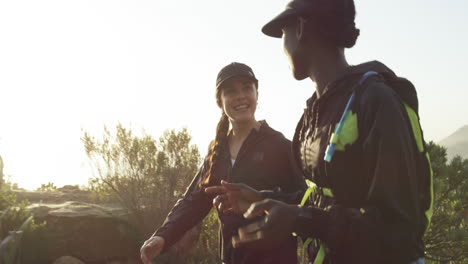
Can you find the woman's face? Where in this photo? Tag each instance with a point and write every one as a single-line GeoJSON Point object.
{"type": "Point", "coordinates": [239, 99]}
{"type": "Point", "coordinates": [291, 48]}
{"type": "Point", "coordinates": [303, 49]}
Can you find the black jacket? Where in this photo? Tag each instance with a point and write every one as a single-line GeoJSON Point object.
{"type": "Point", "coordinates": [380, 177]}
{"type": "Point", "coordinates": [263, 163]}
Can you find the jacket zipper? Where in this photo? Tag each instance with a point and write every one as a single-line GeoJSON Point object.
{"type": "Point", "coordinates": [245, 146]}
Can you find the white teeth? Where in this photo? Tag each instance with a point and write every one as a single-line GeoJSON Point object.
{"type": "Point", "coordinates": [240, 107]}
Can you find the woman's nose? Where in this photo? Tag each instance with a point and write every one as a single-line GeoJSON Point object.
{"type": "Point", "coordinates": [240, 95]}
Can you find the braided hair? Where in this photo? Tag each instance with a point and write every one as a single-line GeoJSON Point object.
{"type": "Point", "coordinates": [217, 147]}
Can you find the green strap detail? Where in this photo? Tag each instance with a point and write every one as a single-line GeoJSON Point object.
{"type": "Point", "coordinates": [327, 192]}
{"type": "Point", "coordinates": [429, 211]}
{"type": "Point", "coordinates": [349, 132]}
{"type": "Point", "coordinates": [419, 142]}
{"type": "Point", "coordinates": [321, 255]}
{"type": "Point", "coordinates": [312, 189]}
{"type": "Point", "coordinates": [416, 128]}
{"type": "Point", "coordinates": [334, 138]}
{"type": "Point", "coordinates": [306, 245]}
{"type": "Point", "coordinates": [309, 191]}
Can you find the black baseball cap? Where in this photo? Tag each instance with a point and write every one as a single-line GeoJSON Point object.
{"type": "Point", "coordinates": [295, 8]}
{"type": "Point", "coordinates": [234, 69]}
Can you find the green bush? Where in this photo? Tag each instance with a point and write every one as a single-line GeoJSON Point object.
{"type": "Point", "coordinates": [447, 237]}
{"type": "Point", "coordinates": [206, 251]}
{"type": "Point", "coordinates": [147, 176]}
{"type": "Point", "coordinates": [48, 187]}
{"type": "Point", "coordinates": [28, 246]}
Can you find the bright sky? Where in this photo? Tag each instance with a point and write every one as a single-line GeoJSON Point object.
{"type": "Point", "coordinates": [68, 65]}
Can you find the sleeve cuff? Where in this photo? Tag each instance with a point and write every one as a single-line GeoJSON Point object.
{"type": "Point", "coordinates": [313, 222]}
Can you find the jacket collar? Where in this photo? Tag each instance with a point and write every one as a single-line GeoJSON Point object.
{"type": "Point", "coordinates": [352, 74]}
{"type": "Point", "coordinates": [253, 138]}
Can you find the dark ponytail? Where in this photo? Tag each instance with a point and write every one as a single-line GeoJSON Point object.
{"type": "Point", "coordinates": [217, 147]}
{"type": "Point", "coordinates": [347, 35]}
{"type": "Point", "coordinates": [335, 20]}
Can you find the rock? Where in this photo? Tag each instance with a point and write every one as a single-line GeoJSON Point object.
{"type": "Point", "coordinates": [92, 233]}
{"type": "Point", "coordinates": [73, 209]}
{"type": "Point", "coordinates": [69, 188]}
{"type": "Point", "coordinates": [59, 196]}
{"type": "Point", "coordinates": [68, 260]}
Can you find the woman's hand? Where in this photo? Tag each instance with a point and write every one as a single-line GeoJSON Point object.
{"type": "Point", "coordinates": [275, 226]}
{"type": "Point", "coordinates": [233, 198]}
{"type": "Point", "coordinates": [151, 249]}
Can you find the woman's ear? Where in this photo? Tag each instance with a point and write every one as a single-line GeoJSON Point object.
{"type": "Point", "coordinates": [300, 28]}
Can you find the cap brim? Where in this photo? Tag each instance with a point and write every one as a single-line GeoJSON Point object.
{"type": "Point", "coordinates": [274, 28]}
{"type": "Point", "coordinates": [236, 75]}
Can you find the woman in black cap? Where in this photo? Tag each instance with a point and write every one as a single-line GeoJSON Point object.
{"type": "Point", "coordinates": [360, 147]}
{"type": "Point", "coordinates": [250, 152]}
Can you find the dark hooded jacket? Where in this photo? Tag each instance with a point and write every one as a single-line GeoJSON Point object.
{"type": "Point", "coordinates": [264, 163]}
{"type": "Point", "coordinates": [379, 176]}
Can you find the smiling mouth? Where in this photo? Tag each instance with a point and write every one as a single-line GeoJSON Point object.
{"type": "Point", "coordinates": [241, 107]}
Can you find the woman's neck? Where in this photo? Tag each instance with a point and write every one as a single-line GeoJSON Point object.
{"type": "Point", "coordinates": [240, 130]}
{"type": "Point", "coordinates": [329, 69]}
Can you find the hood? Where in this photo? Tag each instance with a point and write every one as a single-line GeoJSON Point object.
{"type": "Point", "coordinates": [404, 88]}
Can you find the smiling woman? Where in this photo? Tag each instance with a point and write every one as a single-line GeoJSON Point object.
{"type": "Point", "coordinates": [237, 96]}
{"type": "Point", "coordinates": [251, 153]}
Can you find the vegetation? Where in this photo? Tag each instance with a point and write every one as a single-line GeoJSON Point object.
{"type": "Point", "coordinates": [21, 239]}
{"type": "Point", "coordinates": [48, 187]}
{"type": "Point", "coordinates": [447, 237]}
{"type": "Point", "coordinates": [147, 177]}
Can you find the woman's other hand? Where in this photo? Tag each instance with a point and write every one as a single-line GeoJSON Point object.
{"type": "Point", "coordinates": [151, 249]}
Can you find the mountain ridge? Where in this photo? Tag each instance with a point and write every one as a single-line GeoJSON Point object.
{"type": "Point", "coordinates": [457, 143]}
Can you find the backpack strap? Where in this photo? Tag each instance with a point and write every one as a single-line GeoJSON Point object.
{"type": "Point", "coordinates": [335, 136]}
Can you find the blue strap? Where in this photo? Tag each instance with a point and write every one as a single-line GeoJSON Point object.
{"type": "Point", "coordinates": [331, 147]}
{"type": "Point", "coordinates": [366, 75]}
